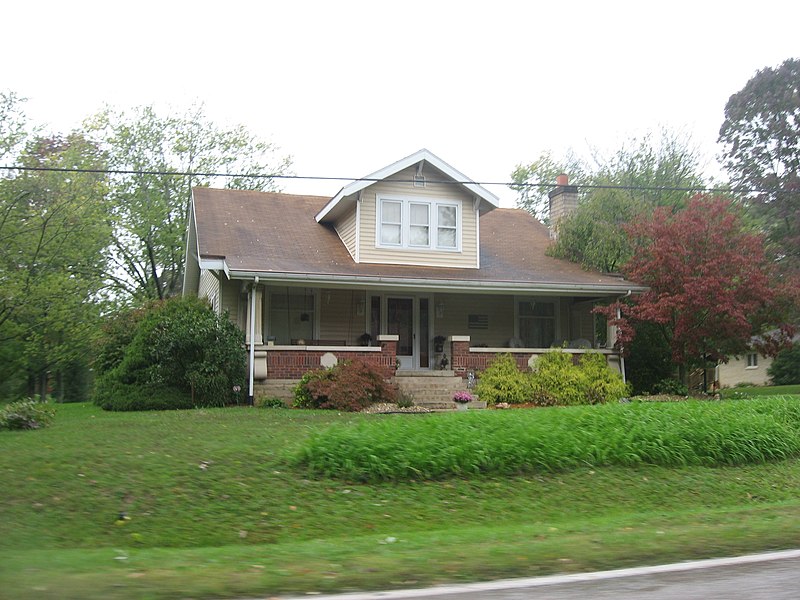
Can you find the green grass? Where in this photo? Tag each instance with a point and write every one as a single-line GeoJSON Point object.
{"type": "Point", "coordinates": [557, 439]}
{"type": "Point", "coordinates": [251, 524]}
{"type": "Point", "coordinates": [757, 391]}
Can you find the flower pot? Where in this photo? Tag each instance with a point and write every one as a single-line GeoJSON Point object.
{"type": "Point", "coordinates": [462, 406]}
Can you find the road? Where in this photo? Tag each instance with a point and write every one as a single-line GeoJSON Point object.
{"type": "Point", "coordinates": [773, 576]}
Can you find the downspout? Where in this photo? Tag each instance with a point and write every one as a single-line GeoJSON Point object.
{"type": "Point", "coordinates": [252, 340]}
{"type": "Point", "coordinates": [621, 349]}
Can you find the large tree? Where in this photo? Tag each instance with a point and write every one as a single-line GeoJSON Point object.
{"type": "Point", "coordinates": [150, 204]}
{"type": "Point", "coordinates": [53, 230]}
{"type": "Point", "coordinates": [761, 150]}
{"type": "Point", "coordinates": [640, 176]}
{"type": "Point", "coordinates": [709, 282]}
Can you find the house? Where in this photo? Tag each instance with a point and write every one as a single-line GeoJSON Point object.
{"type": "Point", "coordinates": [749, 369]}
{"type": "Point", "coordinates": [414, 266]}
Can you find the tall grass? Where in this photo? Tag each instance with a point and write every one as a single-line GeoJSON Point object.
{"type": "Point", "coordinates": [557, 439]}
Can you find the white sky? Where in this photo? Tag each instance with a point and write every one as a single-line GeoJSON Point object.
{"type": "Point", "coordinates": [348, 87]}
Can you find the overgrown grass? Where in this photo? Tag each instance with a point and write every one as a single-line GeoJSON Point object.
{"type": "Point", "coordinates": [753, 391]}
{"type": "Point", "coordinates": [556, 439]}
{"type": "Point", "coordinates": [216, 510]}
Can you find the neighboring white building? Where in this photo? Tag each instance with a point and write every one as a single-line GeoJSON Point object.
{"type": "Point", "coordinates": [748, 369]}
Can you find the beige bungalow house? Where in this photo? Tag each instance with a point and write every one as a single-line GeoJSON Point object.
{"type": "Point", "coordinates": [414, 266]}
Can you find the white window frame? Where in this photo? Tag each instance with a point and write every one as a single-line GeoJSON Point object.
{"type": "Point", "coordinates": [752, 360]}
{"type": "Point", "coordinates": [556, 302]}
{"type": "Point", "coordinates": [405, 223]}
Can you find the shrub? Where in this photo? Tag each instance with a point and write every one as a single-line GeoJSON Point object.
{"type": "Point", "coordinates": [502, 381]}
{"type": "Point", "coordinates": [302, 395]}
{"type": "Point", "coordinates": [671, 387]}
{"type": "Point", "coordinates": [785, 368]}
{"type": "Point", "coordinates": [179, 348]}
{"type": "Point", "coordinates": [26, 414]}
{"type": "Point", "coordinates": [557, 381]}
{"type": "Point", "coordinates": [601, 383]}
{"type": "Point", "coordinates": [267, 402]}
{"type": "Point", "coordinates": [350, 386]}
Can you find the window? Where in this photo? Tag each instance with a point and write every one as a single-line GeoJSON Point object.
{"type": "Point", "coordinates": [417, 224]}
{"type": "Point", "coordinates": [752, 360]}
{"type": "Point", "coordinates": [291, 315]}
{"type": "Point", "coordinates": [537, 323]}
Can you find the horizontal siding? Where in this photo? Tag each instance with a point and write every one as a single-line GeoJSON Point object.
{"type": "Point", "coordinates": [736, 372]}
{"type": "Point", "coordinates": [229, 300]}
{"type": "Point", "coordinates": [346, 228]}
{"type": "Point", "coordinates": [339, 320]}
{"type": "Point", "coordinates": [209, 288]}
{"type": "Point", "coordinates": [369, 253]}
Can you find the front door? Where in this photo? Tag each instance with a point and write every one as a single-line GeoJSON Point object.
{"type": "Point", "coordinates": [400, 322]}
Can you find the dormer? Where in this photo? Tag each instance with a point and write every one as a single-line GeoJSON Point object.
{"type": "Point", "coordinates": [417, 211]}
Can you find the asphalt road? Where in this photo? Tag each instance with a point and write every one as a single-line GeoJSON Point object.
{"type": "Point", "coordinates": [773, 576]}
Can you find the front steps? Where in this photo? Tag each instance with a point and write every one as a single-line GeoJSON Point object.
{"type": "Point", "coordinates": [433, 389]}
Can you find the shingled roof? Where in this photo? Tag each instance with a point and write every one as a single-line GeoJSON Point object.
{"type": "Point", "coordinates": [274, 234]}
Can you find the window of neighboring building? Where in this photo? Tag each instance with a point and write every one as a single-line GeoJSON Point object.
{"type": "Point", "coordinates": [537, 323]}
{"type": "Point", "coordinates": [415, 223]}
{"type": "Point", "coordinates": [752, 360]}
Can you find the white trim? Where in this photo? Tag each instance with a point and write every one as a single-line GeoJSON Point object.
{"type": "Point", "coordinates": [405, 202]}
{"type": "Point", "coordinates": [273, 347]}
{"type": "Point", "coordinates": [477, 234]}
{"type": "Point", "coordinates": [358, 229]}
{"type": "Point", "coordinates": [404, 163]}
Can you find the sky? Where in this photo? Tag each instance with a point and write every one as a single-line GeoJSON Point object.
{"type": "Point", "coordinates": [348, 87]}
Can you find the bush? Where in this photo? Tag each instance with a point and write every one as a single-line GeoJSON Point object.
{"type": "Point", "coordinates": [268, 402]}
{"type": "Point", "coordinates": [26, 414]}
{"type": "Point", "coordinates": [502, 381]}
{"type": "Point", "coordinates": [555, 381]}
{"type": "Point", "coordinates": [671, 387]}
{"type": "Point", "coordinates": [785, 368]}
{"type": "Point", "coordinates": [178, 348]}
{"type": "Point", "coordinates": [349, 386]}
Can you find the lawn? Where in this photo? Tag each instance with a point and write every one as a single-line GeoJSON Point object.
{"type": "Point", "coordinates": [752, 391]}
{"type": "Point", "coordinates": [212, 507]}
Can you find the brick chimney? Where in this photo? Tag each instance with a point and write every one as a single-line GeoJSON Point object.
{"type": "Point", "coordinates": [563, 200]}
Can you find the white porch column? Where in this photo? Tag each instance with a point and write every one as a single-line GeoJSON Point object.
{"type": "Point", "coordinates": [255, 309]}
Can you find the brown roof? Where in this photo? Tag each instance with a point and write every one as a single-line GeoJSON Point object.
{"type": "Point", "coordinates": [266, 232]}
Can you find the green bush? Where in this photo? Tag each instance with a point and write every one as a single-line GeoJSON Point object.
{"type": "Point", "coordinates": [671, 387]}
{"type": "Point", "coordinates": [178, 348]}
{"type": "Point", "coordinates": [269, 402]}
{"type": "Point", "coordinates": [349, 386]}
{"type": "Point", "coordinates": [26, 414]}
{"type": "Point", "coordinates": [502, 381]}
{"type": "Point", "coordinates": [555, 381]}
{"type": "Point", "coordinates": [546, 440]}
{"type": "Point", "coordinates": [785, 368]}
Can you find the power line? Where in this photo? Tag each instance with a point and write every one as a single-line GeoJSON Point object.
{"type": "Point", "coordinates": [511, 184]}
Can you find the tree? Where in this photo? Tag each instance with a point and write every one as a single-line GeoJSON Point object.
{"type": "Point", "coordinates": [533, 181]}
{"type": "Point", "coordinates": [785, 368]}
{"type": "Point", "coordinates": [709, 282]}
{"type": "Point", "coordinates": [53, 230]}
{"type": "Point", "coordinates": [151, 209]}
{"type": "Point", "coordinates": [761, 150]}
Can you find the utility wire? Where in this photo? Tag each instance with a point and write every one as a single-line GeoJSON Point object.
{"type": "Point", "coordinates": [511, 184]}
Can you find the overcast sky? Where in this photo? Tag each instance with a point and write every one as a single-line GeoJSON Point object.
{"type": "Point", "coordinates": [348, 87]}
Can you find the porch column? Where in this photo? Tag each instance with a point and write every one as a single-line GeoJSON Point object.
{"type": "Point", "coordinates": [388, 344]}
{"type": "Point", "coordinates": [459, 354]}
{"type": "Point", "coordinates": [255, 297]}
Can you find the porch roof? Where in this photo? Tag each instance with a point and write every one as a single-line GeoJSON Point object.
{"type": "Point", "coordinates": [275, 236]}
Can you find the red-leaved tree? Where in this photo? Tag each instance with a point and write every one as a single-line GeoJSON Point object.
{"type": "Point", "coordinates": [711, 285]}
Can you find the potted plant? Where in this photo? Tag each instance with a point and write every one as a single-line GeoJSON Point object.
{"type": "Point", "coordinates": [365, 339]}
{"type": "Point", "coordinates": [462, 399]}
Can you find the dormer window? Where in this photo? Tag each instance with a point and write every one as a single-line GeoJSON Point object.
{"type": "Point", "coordinates": [414, 223]}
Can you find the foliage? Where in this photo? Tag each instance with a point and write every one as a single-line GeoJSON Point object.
{"type": "Point", "coordinates": [25, 414]}
{"type": "Point", "coordinates": [533, 181]}
{"type": "Point", "coordinates": [709, 284]}
{"type": "Point", "coordinates": [785, 367]}
{"type": "Point", "coordinates": [648, 358]}
{"type": "Point", "coordinates": [554, 381]}
{"type": "Point", "coordinates": [502, 381]}
{"type": "Point", "coordinates": [761, 151]}
{"type": "Point", "coordinates": [558, 439]}
{"type": "Point", "coordinates": [152, 208]}
{"type": "Point", "coordinates": [53, 230]}
{"type": "Point", "coordinates": [349, 386]}
{"type": "Point", "coordinates": [269, 402]}
{"type": "Point", "coordinates": [671, 387]}
{"type": "Point", "coordinates": [179, 345]}
{"type": "Point", "coordinates": [302, 395]}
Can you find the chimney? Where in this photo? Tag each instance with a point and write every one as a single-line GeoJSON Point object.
{"type": "Point", "coordinates": [563, 200]}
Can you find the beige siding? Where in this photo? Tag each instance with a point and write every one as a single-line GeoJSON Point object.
{"type": "Point", "coordinates": [339, 318]}
{"type": "Point", "coordinates": [229, 300]}
{"type": "Point", "coordinates": [209, 288]}
{"type": "Point", "coordinates": [346, 228]}
{"type": "Point", "coordinates": [369, 253]}
{"type": "Point", "coordinates": [457, 308]}
{"type": "Point", "coordinates": [736, 372]}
